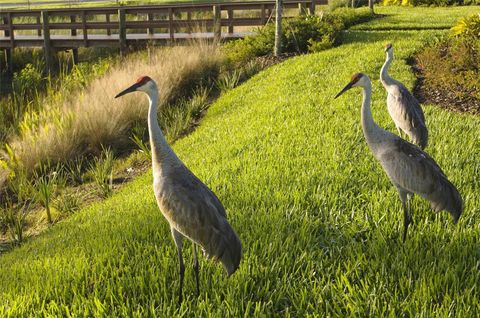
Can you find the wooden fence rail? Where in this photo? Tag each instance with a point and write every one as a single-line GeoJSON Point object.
{"type": "Point", "coordinates": [61, 29]}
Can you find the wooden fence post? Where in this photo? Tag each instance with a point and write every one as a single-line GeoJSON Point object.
{"type": "Point", "coordinates": [84, 26]}
{"type": "Point", "coordinates": [217, 23]}
{"type": "Point", "coordinates": [47, 50]}
{"type": "Point", "coordinates": [189, 22]}
{"type": "Point", "coordinates": [73, 32]}
{"type": "Point", "coordinates": [230, 20]}
{"type": "Point", "coordinates": [311, 8]}
{"type": "Point", "coordinates": [150, 18]}
{"type": "Point", "coordinates": [302, 8]}
{"type": "Point", "coordinates": [9, 33]}
{"type": "Point", "coordinates": [107, 19]}
{"type": "Point", "coordinates": [170, 24]}
{"type": "Point", "coordinates": [122, 32]}
{"type": "Point", "coordinates": [262, 14]}
{"type": "Point", "coordinates": [39, 31]}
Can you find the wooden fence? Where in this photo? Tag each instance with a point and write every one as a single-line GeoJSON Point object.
{"type": "Point", "coordinates": [62, 29]}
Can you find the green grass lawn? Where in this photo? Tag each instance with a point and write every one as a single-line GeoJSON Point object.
{"type": "Point", "coordinates": [319, 221]}
{"type": "Point", "coordinates": [417, 18]}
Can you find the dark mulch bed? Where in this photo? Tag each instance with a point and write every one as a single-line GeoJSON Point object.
{"type": "Point", "coordinates": [270, 59]}
{"type": "Point", "coordinates": [443, 97]}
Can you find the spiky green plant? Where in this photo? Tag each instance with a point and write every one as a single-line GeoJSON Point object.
{"type": "Point", "coordinates": [47, 182]}
{"type": "Point", "coordinates": [101, 171]}
{"type": "Point", "coordinates": [13, 217]}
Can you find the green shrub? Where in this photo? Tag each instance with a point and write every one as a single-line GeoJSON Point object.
{"type": "Point", "coordinates": [335, 4]}
{"type": "Point", "coordinates": [309, 33]}
{"type": "Point", "coordinates": [228, 80]}
{"type": "Point", "coordinates": [69, 202]}
{"type": "Point", "coordinates": [48, 182]}
{"type": "Point", "coordinates": [140, 139]}
{"type": "Point", "coordinates": [440, 3]}
{"type": "Point", "coordinates": [101, 172]}
{"type": "Point", "coordinates": [467, 27]}
{"type": "Point", "coordinates": [28, 82]}
{"type": "Point", "coordinates": [350, 17]}
{"type": "Point", "coordinates": [12, 218]}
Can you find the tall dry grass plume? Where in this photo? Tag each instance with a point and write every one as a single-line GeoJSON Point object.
{"type": "Point", "coordinates": [86, 121]}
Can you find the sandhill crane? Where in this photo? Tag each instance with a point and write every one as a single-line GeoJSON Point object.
{"type": "Point", "coordinates": [190, 207]}
{"type": "Point", "coordinates": [403, 107]}
{"type": "Point", "coordinates": [408, 167]}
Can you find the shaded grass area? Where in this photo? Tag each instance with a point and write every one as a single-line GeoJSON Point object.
{"type": "Point", "coordinates": [319, 221]}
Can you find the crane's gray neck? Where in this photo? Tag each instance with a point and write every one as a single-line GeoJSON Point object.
{"type": "Point", "coordinates": [373, 133]}
{"type": "Point", "coordinates": [162, 153]}
{"type": "Point", "coordinates": [384, 77]}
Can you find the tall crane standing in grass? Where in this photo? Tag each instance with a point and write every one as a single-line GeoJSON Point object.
{"type": "Point", "coordinates": [402, 106]}
{"type": "Point", "coordinates": [409, 168]}
{"type": "Point", "coordinates": [190, 207]}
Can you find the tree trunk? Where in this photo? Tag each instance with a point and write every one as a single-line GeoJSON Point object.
{"type": "Point", "coordinates": [370, 5]}
{"type": "Point", "coordinates": [278, 28]}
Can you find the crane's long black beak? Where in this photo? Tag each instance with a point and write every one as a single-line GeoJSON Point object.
{"type": "Point", "coordinates": [132, 88]}
{"type": "Point", "coordinates": [346, 88]}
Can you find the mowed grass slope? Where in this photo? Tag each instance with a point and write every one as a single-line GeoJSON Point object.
{"type": "Point", "coordinates": [417, 18]}
{"type": "Point", "coordinates": [319, 221]}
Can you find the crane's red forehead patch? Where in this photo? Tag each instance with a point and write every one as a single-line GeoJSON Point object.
{"type": "Point", "coordinates": [356, 77]}
{"type": "Point", "coordinates": [388, 46]}
{"type": "Point", "coordinates": [143, 79]}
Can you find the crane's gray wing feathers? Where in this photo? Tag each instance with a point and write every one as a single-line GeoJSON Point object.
{"type": "Point", "coordinates": [409, 99]}
{"type": "Point", "coordinates": [197, 213]}
{"type": "Point", "coordinates": [412, 169]}
{"type": "Point", "coordinates": [413, 114]}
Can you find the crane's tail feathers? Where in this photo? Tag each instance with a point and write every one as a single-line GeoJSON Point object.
{"type": "Point", "coordinates": [449, 199]}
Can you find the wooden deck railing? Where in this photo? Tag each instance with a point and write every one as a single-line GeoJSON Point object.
{"type": "Point", "coordinates": [60, 29]}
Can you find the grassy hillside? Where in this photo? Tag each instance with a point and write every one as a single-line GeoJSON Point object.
{"type": "Point", "coordinates": [319, 221]}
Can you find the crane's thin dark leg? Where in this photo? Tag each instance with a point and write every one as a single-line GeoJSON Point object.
{"type": "Point", "coordinates": [196, 267]}
{"type": "Point", "coordinates": [405, 198]}
{"type": "Point", "coordinates": [407, 219]}
{"type": "Point", "coordinates": [177, 237]}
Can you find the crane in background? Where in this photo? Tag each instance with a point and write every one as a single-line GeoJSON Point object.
{"type": "Point", "coordinates": [403, 107]}
{"type": "Point", "coordinates": [408, 167]}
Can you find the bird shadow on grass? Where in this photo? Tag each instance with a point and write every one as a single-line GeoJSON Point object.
{"type": "Point", "coordinates": [431, 250]}
{"type": "Point", "coordinates": [426, 253]}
